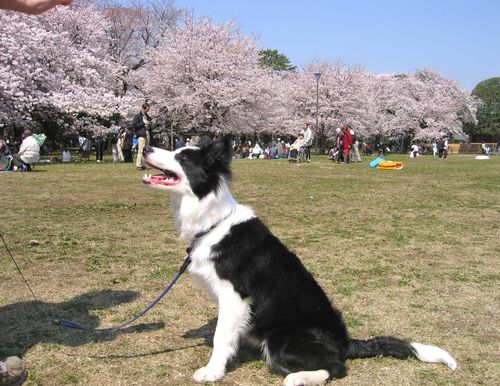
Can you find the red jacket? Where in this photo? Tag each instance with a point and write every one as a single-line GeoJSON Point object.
{"type": "Point", "coordinates": [346, 140]}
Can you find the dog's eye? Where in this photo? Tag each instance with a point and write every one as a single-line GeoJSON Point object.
{"type": "Point", "coordinates": [182, 157]}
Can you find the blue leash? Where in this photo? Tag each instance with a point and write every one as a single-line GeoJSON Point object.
{"type": "Point", "coordinates": [182, 269]}
{"type": "Point", "coordinates": [76, 326]}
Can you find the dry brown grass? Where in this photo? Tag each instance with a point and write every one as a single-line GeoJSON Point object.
{"type": "Point", "coordinates": [411, 253]}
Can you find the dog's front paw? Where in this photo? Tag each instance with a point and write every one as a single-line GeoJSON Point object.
{"type": "Point", "coordinates": [208, 374]}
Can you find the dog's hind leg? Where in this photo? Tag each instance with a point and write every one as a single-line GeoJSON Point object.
{"type": "Point", "coordinates": [307, 356]}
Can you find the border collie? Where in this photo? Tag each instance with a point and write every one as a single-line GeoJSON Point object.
{"type": "Point", "coordinates": [263, 291]}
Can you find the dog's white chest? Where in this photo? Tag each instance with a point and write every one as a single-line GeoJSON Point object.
{"type": "Point", "coordinates": [205, 277]}
{"type": "Point", "coordinates": [202, 268]}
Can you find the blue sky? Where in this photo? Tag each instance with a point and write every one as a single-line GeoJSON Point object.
{"type": "Point", "coordinates": [459, 38]}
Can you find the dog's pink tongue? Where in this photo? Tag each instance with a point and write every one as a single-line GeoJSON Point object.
{"type": "Point", "coordinates": [158, 177]}
{"type": "Point", "coordinates": [161, 179]}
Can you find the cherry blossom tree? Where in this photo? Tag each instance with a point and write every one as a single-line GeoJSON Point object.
{"type": "Point", "coordinates": [58, 61]}
{"type": "Point", "coordinates": [21, 78]}
{"type": "Point", "coordinates": [342, 94]}
{"type": "Point", "coordinates": [390, 110]}
{"type": "Point", "coordinates": [444, 106]}
{"type": "Point", "coordinates": [82, 64]}
{"type": "Point", "coordinates": [134, 30]}
{"type": "Point", "coordinates": [419, 106]}
{"type": "Point", "coordinates": [207, 77]}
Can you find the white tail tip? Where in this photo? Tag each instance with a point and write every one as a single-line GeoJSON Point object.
{"type": "Point", "coordinates": [434, 354]}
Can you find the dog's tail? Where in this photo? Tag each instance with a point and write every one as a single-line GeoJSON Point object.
{"type": "Point", "coordinates": [397, 348]}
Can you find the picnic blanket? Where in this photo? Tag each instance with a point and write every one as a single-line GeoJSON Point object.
{"type": "Point", "coordinates": [390, 165]}
{"type": "Point", "coordinates": [381, 163]}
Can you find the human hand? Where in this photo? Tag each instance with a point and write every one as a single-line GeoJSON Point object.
{"type": "Point", "coordinates": [32, 7]}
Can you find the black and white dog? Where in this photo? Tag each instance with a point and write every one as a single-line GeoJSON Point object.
{"type": "Point", "coordinates": [263, 291]}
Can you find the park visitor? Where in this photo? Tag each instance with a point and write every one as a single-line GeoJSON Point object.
{"type": "Point", "coordinates": [29, 152]}
{"type": "Point", "coordinates": [141, 125]}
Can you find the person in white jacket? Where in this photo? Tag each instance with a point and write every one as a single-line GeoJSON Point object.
{"type": "Point", "coordinates": [29, 152]}
{"type": "Point", "coordinates": [257, 151]}
{"type": "Point", "coordinates": [308, 138]}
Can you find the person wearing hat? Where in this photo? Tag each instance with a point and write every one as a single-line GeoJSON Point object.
{"type": "Point", "coordinates": [338, 155]}
{"type": "Point", "coordinates": [28, 153]}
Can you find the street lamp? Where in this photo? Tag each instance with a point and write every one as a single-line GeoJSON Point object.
{"type": "Point", "coordinates": [317, 75]}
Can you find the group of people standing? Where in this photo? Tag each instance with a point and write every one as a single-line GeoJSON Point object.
{"type": "Point", "coordinates": [133, 138]}
{"type": "Point", "coordinates": [124, 140]}
{"type": "Point", "coordinates": [442, 148]}
{"type": "Point", "coordinates": [439, 148]}
{"type": "Point", "coordinates": [346, 146]}
{"type": "Point", "coordinates": [122, 145]}
{"type": "Point", "coordinates": [137, 137]}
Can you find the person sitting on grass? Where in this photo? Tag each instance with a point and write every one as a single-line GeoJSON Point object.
{"type": "Point", "coordinates": [414, 153]}
{"type": "Point", "coordinates": [257, 151]}
{"type": "Point", "coordinates": [29, 152]}
{"type": "Point", "coordinates": [485, 149]}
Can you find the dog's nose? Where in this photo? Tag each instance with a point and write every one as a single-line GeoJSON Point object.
{"type": "Point", "coordinates": [148, 150]}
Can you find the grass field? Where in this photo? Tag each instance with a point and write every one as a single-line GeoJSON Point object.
{"type": "Point", "coordinates": [411, 253]}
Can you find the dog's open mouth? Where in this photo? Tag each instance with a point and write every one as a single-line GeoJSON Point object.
{"type": "Point", "coordinates": [168, 178]}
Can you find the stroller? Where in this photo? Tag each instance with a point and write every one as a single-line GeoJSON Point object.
{"type": "Point", "coordinates": [297, 155]}
{"type": "Point", "coordinates": [5, 157]}
{"type": "Point", "coordinates": [5, 163]}
{"type": "Point", "coordinates": [84, 150]}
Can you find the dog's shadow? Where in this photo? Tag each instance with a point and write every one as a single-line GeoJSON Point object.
{"type": "Point", "coordinates": [246, 352]}
{"type": "Point", "coordinates": [26, 324]}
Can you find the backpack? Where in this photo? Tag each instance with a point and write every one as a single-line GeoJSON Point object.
{"type": "Point", "coordinates": [40, 139]}
{"type": "Point", "coordinates": [114, 137]}
{"type": "Point", "coordinates": [376, 161]}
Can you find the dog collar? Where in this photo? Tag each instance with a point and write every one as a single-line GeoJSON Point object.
{"type": "Point", "coordinates": [203, 233]}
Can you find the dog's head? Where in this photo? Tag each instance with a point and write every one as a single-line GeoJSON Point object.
{"type": "Point", "coordinates": [198, 169]}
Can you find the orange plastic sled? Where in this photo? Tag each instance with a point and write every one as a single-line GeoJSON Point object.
{"type": "Point", "coordinates": [390, 165]}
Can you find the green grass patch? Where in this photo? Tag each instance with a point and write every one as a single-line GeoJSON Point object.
{"type": "Point", "coordinates": [410, 253]}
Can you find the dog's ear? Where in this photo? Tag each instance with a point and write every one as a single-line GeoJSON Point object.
{"type": "Point", "coordinates": [223, 148]}
{"type": "Point", "coordinates": [204, 142]}
{"type": "Point", "coordinates": [219, 153]}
